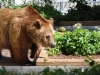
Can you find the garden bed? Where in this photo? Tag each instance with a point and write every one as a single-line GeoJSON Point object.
{"type": "Point", "coordinates": [76, 44]}
{"type": "Point", "coordinates": [62, 56]}
{"type": "Point", "coordinates": [45, 60]}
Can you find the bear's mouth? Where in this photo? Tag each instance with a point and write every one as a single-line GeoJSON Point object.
{"type": "Point", "coordinates": [53, 45]}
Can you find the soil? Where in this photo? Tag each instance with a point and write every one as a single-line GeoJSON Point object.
{"type": "Point", "coordinates": [62, 56]}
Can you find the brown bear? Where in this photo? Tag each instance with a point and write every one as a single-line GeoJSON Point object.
{"type": "Point", "coordinates": [24, 29]}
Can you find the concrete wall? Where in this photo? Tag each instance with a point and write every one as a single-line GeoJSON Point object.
{"type": "Point", "coordinates": [37, 69]}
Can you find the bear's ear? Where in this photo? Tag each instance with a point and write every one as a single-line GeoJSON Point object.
{"type": "Point", "coordinates": [37, 24]}
{"type": "Point", "coordinates": [51, 21]}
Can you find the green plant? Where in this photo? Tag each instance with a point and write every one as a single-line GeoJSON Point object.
{"type": "Point", "coordinates": [82, 11]}
{"type": "Point", "coordinates": [3, 71]}
{"type": "Point", "coordinates": [77, 42]}
{"type": "Point", "coordinates": [56, 50]}
{"type": "Point", "coordinates": [81, 4]}
{"type": "Point", "coordinates": [58, 71]}
{"type": "Point", "coordinates": [90, 61]}
{"type": "Point", "coordinates": [82, 42]}
{"type": "Point", "coordinates": [93, 14]}
{"type": "Point", "coordinates": [93, 70]}
{"type": "Point", "coordinates": [49, 11]}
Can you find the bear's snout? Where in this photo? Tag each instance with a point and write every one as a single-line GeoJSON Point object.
{"type": "Point", "coordinates": [53, 45]}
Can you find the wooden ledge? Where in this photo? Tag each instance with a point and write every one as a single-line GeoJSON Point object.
{"type": "Point", "coordinates": [43, 60]}
{"type": "Point", "coordinates": [84, 23]}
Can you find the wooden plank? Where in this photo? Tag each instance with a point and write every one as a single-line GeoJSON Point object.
{"type": "Point", "coordinates": [44, 53]}
{"type": "Point", "coordinates": [84, 23]}
{"type": "Point", "coordinates": [45, 61]}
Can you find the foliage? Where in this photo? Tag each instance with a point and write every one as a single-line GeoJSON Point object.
{"type": "Point", "coordinates": [49, 11]}
{"type": "Point", "coordinates": [3, 71]}
{"type": "Point", "coordinates": [47, 2]}
{"type": "Point", "coordinates": [93, 14]}
{"type": "Point", "coordinates": [78, 42]}
{"type": "Point", "coordinates": [58, 71]}
{"type": "Point", "coordinates": [93, 70]}
{"type": "Point", "coordinates": [6, 3]}
{"type": "Point", "coordinates": [82, 12]}
{"type": "Point", "coordinates": [58, 40]}
{"type": "Point", "coordinates": [91, 61]}
{"type": "Point", "coordinates": [74, 15]}
{"type": "Point", "coordinates": [81, 5]}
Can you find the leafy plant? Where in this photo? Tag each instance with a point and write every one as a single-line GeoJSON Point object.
{"type": "Point", "coordinates": [78, 42]}
{"type": "Point", "coordinates": [81, 4]}
{"type": "Point", "coordinates": [3, 71]}
{"type": "Point", "coordinates": [49, 11]}
{"type": "Point", "coordinates": [91, 61]}
{"type": "Point", "coordinates": [93, 70]}
{"type": "Point", "coordinates": [82, 42]}
{"type": "Point", "coordinates": [58, 71]}
{"type": "Point", "coordinates": [82, 11]}
{"type": "Point", "coordinates": [58, 39]}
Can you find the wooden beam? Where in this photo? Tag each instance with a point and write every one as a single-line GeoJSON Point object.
{"type": "Point", "coordinates": [84, 23]}
{"type": "Point", "coordinates": [43, 60]}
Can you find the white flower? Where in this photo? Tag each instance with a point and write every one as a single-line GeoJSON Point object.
{"type": "Point", "coordinates": [77, 25]}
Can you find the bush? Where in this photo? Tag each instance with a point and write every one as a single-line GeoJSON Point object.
{"type": "Point", "coordinates": [90, 14]}
{"type": "Point", "coordinates": [78, 42]}
{"type": "Point", "coordinates": [93, 14]}
{"type": "Point", "coordinates": [49, 11]}
{"type": "Point", "coordinates": [56, 50]}
{"type": "Point", "coordinates": [46, 11]}
{"type": "Point", "coordinates": [81, 42]}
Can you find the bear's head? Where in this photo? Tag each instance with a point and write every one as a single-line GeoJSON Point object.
{"type": "Point", "coordinates": [42, 32]}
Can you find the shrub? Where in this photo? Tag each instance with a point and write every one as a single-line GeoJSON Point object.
{"type": "Point", "coordinates": [91, 14]}
{"type": "Point", "coordinates": [58, 39]}
{"type": "Point", "coordinates": [78, 42]}
{"type": "Point", "coordinates": [49, 11]}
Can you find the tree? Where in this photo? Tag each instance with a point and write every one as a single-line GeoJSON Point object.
{"type": "Point", "coordinates": [81, 4]}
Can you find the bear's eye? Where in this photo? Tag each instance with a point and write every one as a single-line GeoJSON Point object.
{"type": "Point", "coordinates": [48, 36]}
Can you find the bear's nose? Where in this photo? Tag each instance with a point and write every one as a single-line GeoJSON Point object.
{"type": "Point", "coordinates": [53, 45]}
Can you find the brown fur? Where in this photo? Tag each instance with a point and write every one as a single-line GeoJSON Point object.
{"type": "Point", "coordinates": [20, 28]}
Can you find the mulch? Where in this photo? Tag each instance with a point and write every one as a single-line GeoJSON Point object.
{"type": "Point", "coordinates": [62, 56]}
